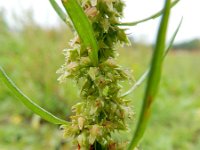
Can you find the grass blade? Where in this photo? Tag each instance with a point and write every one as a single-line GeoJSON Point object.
{"type": "Point", "coordinates": [154, 78]}
{"type": "Point", "coordinates": [148, 18]}
{"type": "Point", "coordinates": [28, 102]}
{"type": "Point", "coordinates": [146, 73]}
{"type": "Point", "coordinates": [83, 28]}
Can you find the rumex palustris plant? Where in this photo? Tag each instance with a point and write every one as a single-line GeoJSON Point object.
{"type": "Point", "coordinates": [91, 63]}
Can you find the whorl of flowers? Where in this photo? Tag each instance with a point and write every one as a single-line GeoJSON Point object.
{"type": "Point", "coordinates": [102, 110]}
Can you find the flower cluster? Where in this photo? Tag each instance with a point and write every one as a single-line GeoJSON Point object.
{"type": "Point", "coordinates": [102, 110]}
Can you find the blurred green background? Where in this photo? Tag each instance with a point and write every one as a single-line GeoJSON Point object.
{"type": "Point", "coordinates": [31, 55]}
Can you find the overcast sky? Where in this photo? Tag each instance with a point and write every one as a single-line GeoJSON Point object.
{"type": "Point", "coordinates": [135, 9]}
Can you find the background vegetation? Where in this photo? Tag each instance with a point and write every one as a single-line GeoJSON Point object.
{"type": "Point", "coordinates": [31, 56]}
{"type": "Point", "coordinates": [193, 44]}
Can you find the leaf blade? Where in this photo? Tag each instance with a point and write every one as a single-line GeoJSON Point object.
{"type": "Point", "coordinates": [83, 28]}
{"type": "Point", "coordinates": [58, 10]}
{"type": "Point", "coordinates": [28, 102]}
{"type": "Point", "coordinates": [148, 18]}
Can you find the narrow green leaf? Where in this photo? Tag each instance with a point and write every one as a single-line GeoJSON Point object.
{"type": "Point", "coordinates": [171, 42]}
{"type": "Point", "coordinates": [61, 14]}
{"type": "Point", "coordinates": [137, 84]}
{"type": "Point", "coordinates": [154, 78]}
{"type": "Point", "coordinates": [83, 28]}
{"type": "Point", "coordinates": [28, 102]}
{"type": "Point", "coordinates": [146, 73]}
{"type": "Point", "coordinates": [148, 18]}
{"type": "Point", "coordinates": [59, 11]}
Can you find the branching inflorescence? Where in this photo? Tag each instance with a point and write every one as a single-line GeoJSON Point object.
{"type": "Point", "coordinates": [102, 110]}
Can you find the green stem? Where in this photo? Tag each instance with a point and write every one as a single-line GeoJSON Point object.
{"type": "Point", "coordinates": [154, 78]}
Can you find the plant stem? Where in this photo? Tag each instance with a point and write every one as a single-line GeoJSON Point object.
{"type": "Point", "coordinates": [154, 78]}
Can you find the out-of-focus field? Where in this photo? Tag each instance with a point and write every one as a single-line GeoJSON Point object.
{"type": "Point", "coordinates": [31, 57]}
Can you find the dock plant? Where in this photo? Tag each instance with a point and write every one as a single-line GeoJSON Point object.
{"type": "Point", "coordinates": [90, 61]}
